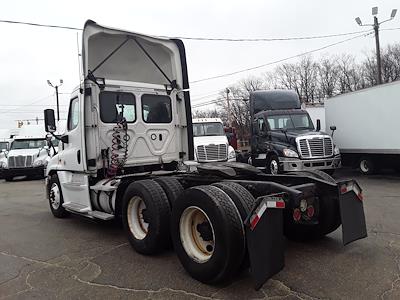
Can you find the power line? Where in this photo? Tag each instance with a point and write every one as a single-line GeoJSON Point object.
{"type": "Point", "coordinates": [205, 38]}
{"type": "Point", "coordinates": [267, 39]}
{"type": "Point", "coordinates": [39, 25]}
{"type": "Point", "coordinates": [283, 59]}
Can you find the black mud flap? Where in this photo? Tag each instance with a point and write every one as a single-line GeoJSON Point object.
{"type": "Point", "coordinates": [352, 211]}
{"type": "Point", "coordinates": [265, 241]}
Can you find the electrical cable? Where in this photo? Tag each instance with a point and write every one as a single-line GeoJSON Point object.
{"type": "Point", "coordinates": [282, 60]}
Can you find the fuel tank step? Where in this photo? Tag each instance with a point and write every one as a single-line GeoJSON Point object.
{"type": "Point", "coordinates": [100, 215]}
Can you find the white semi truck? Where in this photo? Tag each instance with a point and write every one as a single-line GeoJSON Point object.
{"type": "Point", "coordinates": [367, 127]}
{"type": "Point", "coordinates": [28, 154]}
{"type": "Point", "coordinates": [127, 145]}
{"type": "Point", "coordinates": [210, 141]}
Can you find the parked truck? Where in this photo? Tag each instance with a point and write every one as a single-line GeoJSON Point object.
{"type": "Point", "coordinates": [127, 152]}
{"type": "Point", "coordinates": [367, 124]}
{"type": "Point", "coordinates": [28, 154]}
{"type": "Point", "coordinates": [284, 138]}
{"type": "Point", "coordinates": [210, 141]}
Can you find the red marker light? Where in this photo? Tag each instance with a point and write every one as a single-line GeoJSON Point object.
{"type": "Point", "coordinates": [310, 211]}
{"type": "Point", "coordinates": [296, 214]}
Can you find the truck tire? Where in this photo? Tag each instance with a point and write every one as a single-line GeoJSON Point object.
{"type": "Point", "coordinates": [272, 166]}
{"type": "Point", "coordinates": [172, 188]}
{"type": "Point", "coordinates": [55, 196]}
{"type": "Point", "coordinates": [146, 216]}
{"type": "Point", "coordinates": [208, 234]}
{"type": "Point", "coordinates": [241, 197]}
{"type": "Point", "coordinates": [8, 178]}
{"type": "Point", "coordinates": [366, 165]}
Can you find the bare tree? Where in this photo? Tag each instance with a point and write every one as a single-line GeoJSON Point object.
{"type": "Point", "coordinates": [328, 76]}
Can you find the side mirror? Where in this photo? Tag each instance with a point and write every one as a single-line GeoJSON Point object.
{"type": "Point", "coordinates": [318, 125]}
{"type": "Point", "coordinates": [333, 128]}
{"type": "Point", "coordinates": [49, 121]}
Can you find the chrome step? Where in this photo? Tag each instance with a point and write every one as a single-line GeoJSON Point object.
{"type": "Point", "coordinates": [76, 207]}
{"type": "Point", "coordinates": [100, 215]}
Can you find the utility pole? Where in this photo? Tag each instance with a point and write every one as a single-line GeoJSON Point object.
{"type": "Point", "coordinates": [376, 30]}
{"type": "Point", "coordinates": [56, 88]}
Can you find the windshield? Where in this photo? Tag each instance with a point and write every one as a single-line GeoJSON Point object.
{"type": "Point", "coordinates": [27, 144]}
{"type": "Point", "coordinates": [295, 121]}
{"type": "Point", "coordinates": [208, 129]}
{"type": "Point", "coordinates": [3, 145]}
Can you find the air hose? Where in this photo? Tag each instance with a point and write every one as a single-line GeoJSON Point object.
{"type": "Point", "coordinates": [119, 148]}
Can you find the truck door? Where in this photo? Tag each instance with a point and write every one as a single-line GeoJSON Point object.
{"type": "Point", "coordinates": [260, 154]}
{"type": "Point", "coordinates": [73, 155]}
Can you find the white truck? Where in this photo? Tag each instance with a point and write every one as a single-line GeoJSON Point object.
{"type": "Point", "coordinates": [129, 137]}
{"type": "Point", "coordinates": [367, 127]}
{"type": "Point", "coordinates": [210, 141]}
{"type": "Point", "coordinates": [28, 154]}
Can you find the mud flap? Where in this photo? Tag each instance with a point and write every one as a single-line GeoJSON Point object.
{"type": "Point", "coordinates": [265, 241]}
{"type": "Point", "coordinates": [352, 212]}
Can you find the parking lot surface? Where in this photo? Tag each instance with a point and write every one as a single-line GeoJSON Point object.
{"type": "Point", "coordinates": [46, 258]}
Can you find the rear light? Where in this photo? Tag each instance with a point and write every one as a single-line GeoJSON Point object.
{"type": "Point", "coordinates": [296, 214]}
{"type": "Point", "coordinates": [310, 211]}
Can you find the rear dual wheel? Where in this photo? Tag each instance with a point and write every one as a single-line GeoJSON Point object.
{"type": "Point", "coordinates": [145, 216]}
{"type": "Point", "coordinates": [208, 234]}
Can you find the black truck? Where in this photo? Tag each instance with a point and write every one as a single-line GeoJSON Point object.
{"type": "Point", "coordinates": [284, 138]}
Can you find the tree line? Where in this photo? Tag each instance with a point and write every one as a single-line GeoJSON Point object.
{"type": "Point", "coordinates": [314, 80]}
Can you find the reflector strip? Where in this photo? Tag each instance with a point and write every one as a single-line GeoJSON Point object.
{"type": "Point", "coordinates": [352, 186]}
{"type": "Point", "coordinates": [257, 216]}
{"type": "Point", "coordinates": [276, 204]}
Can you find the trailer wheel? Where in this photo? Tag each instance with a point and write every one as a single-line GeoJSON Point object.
{"type": "Point", "coordinates": [172, 188]}
{"type": "Point", "coordinates": [242, 198]}
{"type": "Point", "coordinates": [366, 165]}
{"type": "Point", "coordinates": [55, 196]}
{"type": "Point", "coordinates": [145, 216]}
{"type": "Point", "coordinates": [207, 234]}
{"type": "Point", "coordinates": [272, 166]}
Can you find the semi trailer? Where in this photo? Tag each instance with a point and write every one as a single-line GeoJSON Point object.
{"type": "Point", "coordinates": [367, 124]}
{"type": "Point", "coordinates": [128, 151]}
{"type": "Point", "coordinates": [284, 138]}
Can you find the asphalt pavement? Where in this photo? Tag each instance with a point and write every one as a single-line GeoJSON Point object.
{"type": "Point", "coordinates": [47, 258]}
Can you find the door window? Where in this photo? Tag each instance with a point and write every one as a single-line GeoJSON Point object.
{"type": "Point", "coordinates": [156, 109]}
{"type": "Point", "coordinates": [73, 114]}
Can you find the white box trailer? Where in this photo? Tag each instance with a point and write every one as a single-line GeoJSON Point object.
{"type": "Point", "coordinates": [367, 127]}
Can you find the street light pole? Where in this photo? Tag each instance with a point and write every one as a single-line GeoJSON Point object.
{"type": "Point", "coordinates": [376, 30]}
{"type": "Point", "coordinates": [56, 88]}
{"type": "Point", "coordinates": [378, 51]}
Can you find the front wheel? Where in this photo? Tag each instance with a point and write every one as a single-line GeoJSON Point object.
{"type": "Point", "coordinates": [56, 198]}
{"type": "Point", "coordinates": [272, 166]}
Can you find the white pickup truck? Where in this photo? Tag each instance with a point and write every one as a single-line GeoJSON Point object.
{"type": "Point", "coordinates": [28, 154]}
{"type": "Point", "coordinates": [210, 141]}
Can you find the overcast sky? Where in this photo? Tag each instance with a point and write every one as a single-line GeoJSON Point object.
{"type": "Point", "coordinates": [31, 55]}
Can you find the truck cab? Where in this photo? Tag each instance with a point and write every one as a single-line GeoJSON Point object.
{"type": "Point", "coordinates": [210, 141]}
{"type": "Point", "coordinates": [28, 154]}
{"type": "Point", "coordinates": [284, 138]}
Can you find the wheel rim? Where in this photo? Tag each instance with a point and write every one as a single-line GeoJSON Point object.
{"type": "Point", "coordinates": [55, 196]}
{"type": "Point", "coordinates": [273, 167]}
{"type": "Point", "coordinates": [137, 224]}
{"type": "Point", "coordinates": [364, 166]}
{"type": "Point", "coordinates": [197, 243]}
